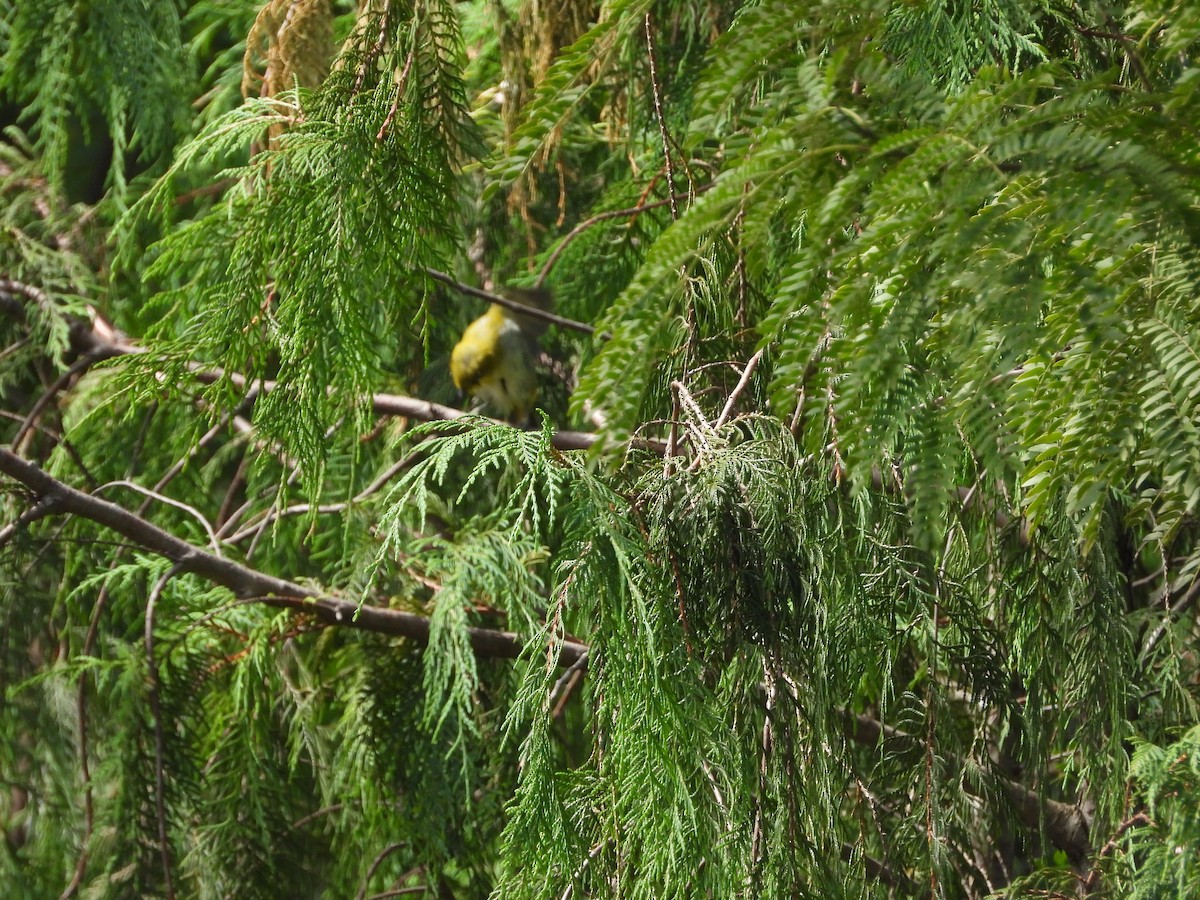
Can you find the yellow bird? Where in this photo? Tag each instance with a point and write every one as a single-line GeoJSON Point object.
{"type": "Point", "coordinates": [493, 362]}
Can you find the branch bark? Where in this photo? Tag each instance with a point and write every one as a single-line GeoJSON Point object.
{"type": "Point", "coordinates": [249, 584]}
{"type": "Point", "coordinates": [97, 341]}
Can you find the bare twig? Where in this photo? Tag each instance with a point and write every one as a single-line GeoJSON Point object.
{"type": "Point", "coordinates": [1126, 42]}
{"type": "Point", "coordinates": [514, 305]}
{"type": "Point", "coordinates": [658, 112]}
{"type": "Point", "coordinates": [316, 814]}
{"type": "Point", "coordinates": [561, 692]}
{"type": "Point", "coordinates": [882, 872]}
{"type": "Point", "coordinates": [205, 191]}
{"type": "Point", "coordinates": [401, 84]}
{"type": "Point", "coordinates": [28, 291]}
{"type": "Point", "coordinates": [375, 864]}
{"type": "Point", "coordinates": [76, 368]}
{"type": "Point", "coordinates": [161, 498]}
{"type": "Point", "coordinates": [737, 391]}
{"type": "Point", "coordinates": [44, 507]}
{"type": "Point", "coordinates": [180, 463]}
{"type": "Point", "coordinates": [298, 509]}
{"type": "Point", "coordinates": [376, 48]}
{"type": "Point", "coordinates": [98, 339]}
{"type": "Point", "coordinates": [1093, 877]}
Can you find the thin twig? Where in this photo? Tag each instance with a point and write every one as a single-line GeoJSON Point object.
{"type": "Point", "coordinates": [324, 508]}
{"type": "Point", "coordinates": [160, 802]}
{"type": "Point", "coordinates": [1126, 42]}
{"type": "Point", "coordinates": [98, 339]}
{"type": "Point", "coordinates": [1063, 823]}
{"type": "Point", "coordinates": [604, 217]}
{"type": "Point", "coordinates": [515, 306]}
{"type": "Point", "coordinates": [566, 684]}
{"type": "Point", "coordinates": [180, 463]}
{"type": "Point", "coordinates": [58, 438]}
{"type": "Point", "coordinates": [178, 504]}
{"type": "Point", "coordinates": [1183, 605]}
{"type": "Point", "coordinates": [401, 84]}
{"type": "Point", "coordinates": [1093, 877]}
{"type": "Point", "coordinates": [28, 291]}
{"type": "Point", "coordinates": [205, 190]}
{"type": "Point", "coordinates": [316, 814]}
{"type": "Point", "coordinates": [76, 368]}
{"type": "Point", "coordinates": [236, 483]}
{"type": "Point", "coordinates": [662, 122]}
{"type": "Point", "coordinates": [376, 863]}
{"type": "Point", "coordinates": [370, 58]}
{"type": "Point", "coordinates": [42, 508]}
{"type": "Point", "coordinates": [741, 386]}
{"type": "Point", "coordinates": [592, 854]}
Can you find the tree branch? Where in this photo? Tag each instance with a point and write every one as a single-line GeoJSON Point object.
{"type": "Point", "coordinates": [531, 311]}
{"type": "Point", "coordinates": [98, 342]}
{"type": "Point", "coordinates": [1138, 820]}
{"type": "Point", "coordinates": [1065, 825]}
{"type": "Point", "coordinates": [45, 506]}
{"type": "Point", "coordinates": [246, 583]}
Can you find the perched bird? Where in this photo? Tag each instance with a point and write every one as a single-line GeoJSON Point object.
{"type": "Point", "coordinates": [494, 360]}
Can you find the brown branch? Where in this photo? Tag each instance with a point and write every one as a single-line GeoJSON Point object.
{"type": "Point", "coordinates": [313, 816]}
{"type": "Point", "coordinates": [514, 305]}
{"type": "Point", "coordinates": [374, 867]}
{"type": "Point", "coordinates": [273, 514]}
{"type": "Point", "coordinates": [1093, 877]}
{"type": "Point", "coordinates": [100, 342]}
{"type": "Point", "coordinates": [206, 190]}
{"type": "Point", "coordinates": [658, 112]}
{"type": "Point", "coordinates": [401, 85]}
{"type": "Point", "coordinates": [247, 583]}
{"type": "Point", "coordinates": [56, 438]}
{"type": "Point", "coordinates": [48, 396]}
{"type": "Point", "coordinates": [1173, 613]}
{"type": "Point", "coordinates": [561, 692]}
{"type": "Point", "coordinates": [89, 813]}
{"type": "Point", "coordinates": [12, 305]}
{"type": "Point", "coordinates": [45, 506]}
{"type": "Point", "coordinates": [1126, 42]}
{"type": "Point", "coordinates": [737, 391]}
{"type": "Point", "coordinates": [370, 58]}
{"type": "Point", "coordinates": [408, 407]}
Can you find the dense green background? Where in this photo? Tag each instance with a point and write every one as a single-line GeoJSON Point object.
{"type": "Point", "coordinates": [884, 549]}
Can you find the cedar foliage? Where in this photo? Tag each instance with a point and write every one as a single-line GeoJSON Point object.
{"type": "Point", "coordinates": [884, 554]}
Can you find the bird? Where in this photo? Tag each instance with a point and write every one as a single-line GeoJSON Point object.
{"type": "Point", "coordinates": [494, 360]}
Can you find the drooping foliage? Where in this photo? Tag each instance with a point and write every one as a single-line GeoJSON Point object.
{"type": "Point", "coordinates": [877, 575]}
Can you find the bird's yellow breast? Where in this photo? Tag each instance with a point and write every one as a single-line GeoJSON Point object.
{"type": "Point", "coordinates": [493, 362]}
